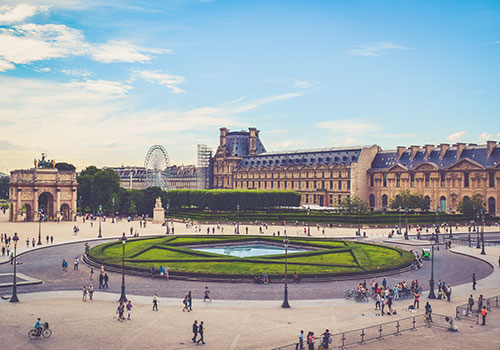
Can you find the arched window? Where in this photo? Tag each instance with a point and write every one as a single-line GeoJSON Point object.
{"type": "Point", "coordinates": [427, 202]}
{"type": "Point", "coordinates": [491, 206]}
{"type": "Point", "coordinates": [442, 203]}
{"type": "Point", "coordinates": [384, 201]}
{"type": "Point", "coordinates": [372, 201]}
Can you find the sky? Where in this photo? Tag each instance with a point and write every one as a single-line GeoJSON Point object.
{"type": "Point", "coordinates": [99, 82]}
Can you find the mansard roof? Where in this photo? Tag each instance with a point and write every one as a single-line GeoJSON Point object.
{"type": "Point", "coordinates": [237, 144]}
{"type": "Point", "coordinates": [313, 157]}
{"type": "Point", "coordinates": [385, 160]}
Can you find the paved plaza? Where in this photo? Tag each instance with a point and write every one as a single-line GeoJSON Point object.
{"type": "Point", "coordinates": [241, 315]}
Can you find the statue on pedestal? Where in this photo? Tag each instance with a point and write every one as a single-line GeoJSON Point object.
{"type": "Point", "coordinates": [158, 212]}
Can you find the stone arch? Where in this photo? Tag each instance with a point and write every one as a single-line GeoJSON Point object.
{"type": "Point", "coordinates": [46, 203]}
{"type": "Point", "coordinates": [27, 212]}
{"type": "Point", "coordinates": [492, 206]}
{"type": "Point", "coordinates": [385, 201]}
{"type": "Point", "coordinates": [442, 203]}
{"type": "Point", "coordinates": [372, 201]}
{"type": "Point", "coordinates": [321, 200]}
{"type": "Point", "coordinates": [428, 202]}
{"type": "Point", "coordinates": [65, 212]}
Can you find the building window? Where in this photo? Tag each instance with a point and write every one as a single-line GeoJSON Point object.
{"type": "Point", "coordinates": [412, 180]}
{"type": "Point", "coordinates": [443, 179]}
{"type": "Point", "coordinates": [278, 184]}
{"type": "Point", "coordinates": [398, 180]}
{"type": "Point", "coordinates": [307, 184]}
{"type": "Point", "coordinates": [307, 198]}
{"type": "Point", "coordinates": [323, 184]}
{"type": "Point", "coordinates": [247, 184]}
{"type": "Point", "coordinates": [272, 184]}
{"type": "Point", "coordinates": [259, 184]}
{"type": "Point", "coordinates": [300, 182]}
{"type": "Point", "coordinates": [348, 184]}
{"type": "Point", "coordinates": [322, 174]}
{"type": "Point", "coordinates": [427, 179]}
{"type": "Point", "coordinates": [331, 173]}
{"type": "Point", "coordinates": [492, 179]}
{"type": "Point", "coordinates": [349, 173]}
{"type": "Point", "coordinates": [314, 187]}
{"type": "Point", "coordinates": [314, 198]}
{"type": "Point", "coordinates": [291, 186]}
{"type": "Point", "coordinates": [253, 184]}
{"type": "Point", "coordinates": [371, 180]}
{"type": "Point", "coordinates": [284, 184]}
{"type": "Point", "coordinates": [340, 174]}
{"type": "Point", "coordinates": [340, 185]}
{"type": "Point", "coordinates": [339, 199]}
{"type": "Point", "coordinates": [331, 200]}
{"type": "Point", "coordinates": [384, 180]}
{"type": "Point", "coordinates": [466, 180]}
{"type": "Point", "coordinates": [331, 184]}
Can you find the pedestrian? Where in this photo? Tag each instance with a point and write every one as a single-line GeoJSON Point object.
{"type": "Point", "coordinates": [416, 301]}
{"type": "Point", "coordinates": [310, 341]}
{"type": "Point", "coordinates": [101, 281]}
{"type": "Point", "coordinates": [75, 266]}
{"type": "Point", "coordinates": [480, 302]}
{"type": "Point", "coordinates": [33, 242]}
{"type": "Point", "coordinates": [448, 292]}
{"type": "Point", "coordinates": [428, 312]}
{"type": "Point", "coordinates": [474, 281]}
{"type": "Point", "coordinates": [120, 310]}
{"type": "Point", "coordinates": [27, 242]}
{"type": "Point", "coordinates": [499, 260]}
{"type": "Point", "coordinates": [129, 309]}
{"type": "Point", "coordinates": [301, 340]}
{"type": "Point", "coordinates": [483, 314]}
{"type": "Point", "coordinates": [106, 278]}
{"type": "Point", "coordinates": [471, 303]}
{"type": "Point", "coordinates": [84, 297]}
{"type": "Point", "coordinates": [91, 275]}
{"type": "Point", "coordinates": [47, 239]}
{"type": "Point", "coordinates": [195, 331]}
{"type": "Point", "coordinates": [186, 304]}
{"type": "Point", "coordinates": [326, 339]}
{"type": "Point", "coordinates": [167, 272]}
{"type": "Point", "coordinates": [155, 302]}
{"type": "Point", "coordinates": [377, 301]}
{"type": "Point", "coordinates": [207, 295]}
{"type": "Point", "coordinates": [51, 239]}
{"type": "Point", "coordinates": [63, 264]}
{"type": "Point", "coordinates": [201, 329]}
{"type": "Point", "coordinates": [91, 291]}
{"type": "Point", "coordinates": [190, 301]}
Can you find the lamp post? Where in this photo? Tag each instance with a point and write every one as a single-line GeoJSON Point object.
{"type": "Point", "coordinates": [113, 207]}
{"type": "Point", "coordinates": [359, 224]}
{"type": "Point", "coordinates": [449, 224]}
{"type": "Point", "coordinates": [482, 232]}
{"type": "Point", "coordinates": [285, 304]}
{"type": "Point", "coordinates": [13, 298]}
{"type": "Point", "coordinates": [167, 230]}
{"type": "Point", "coordinates": [399, 227]}
{"type": "Point", "coordinates": [124, 241]}
{"type": "Point", "coordinates": [478, 245]}
{"type": "Point", "coordinates": [99, 213]}
{"type": "Point", "coordinates": [473, 218]}
{"type": "Point", "coordinates": [406, 223]}
{"type": "Point", "coordinates": [238, 220]}
{"type": "Point", "coordinates": [80, 204]}
{"type": "Point", "coordinates": [431, 282]}
{"type": "Point", "coordinates": [40, 212]}
{"type": "Point", "coordinates": [437, 225]}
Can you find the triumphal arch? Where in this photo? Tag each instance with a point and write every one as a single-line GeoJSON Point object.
{"type": "Point", "coordinates": [42, 192]}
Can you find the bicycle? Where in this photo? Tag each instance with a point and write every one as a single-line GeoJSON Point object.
{"type": "Point", "coordinates": [46, 332]}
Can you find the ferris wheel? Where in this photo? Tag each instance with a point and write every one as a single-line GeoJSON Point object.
{"type": "Point", "coordinates": [156, 164]}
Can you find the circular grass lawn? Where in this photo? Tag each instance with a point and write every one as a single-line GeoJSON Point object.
{"type": "Point", "coordinates": [321, 257]}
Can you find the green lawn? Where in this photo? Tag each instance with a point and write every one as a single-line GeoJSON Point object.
{"type": "Point", "coordinates": [326, 256]}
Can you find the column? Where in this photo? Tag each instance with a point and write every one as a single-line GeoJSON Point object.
{"type": "Point", "coordinates": [35, 205]}
{"type": "Point", "coordinates": [73, 205]}
{"type": "Point", "coordinates": [58, 202]}
{"type": "Point", "coordinates": [18, 205]}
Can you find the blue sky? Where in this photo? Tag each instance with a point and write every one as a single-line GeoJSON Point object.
{"type": "Point", "coordinates": [99, 82]}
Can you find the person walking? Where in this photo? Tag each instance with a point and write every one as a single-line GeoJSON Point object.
{"type": "Point", "coordinates": [75, 265]}
{"type": "Point", "coordinates": [195, 331]}
{"type": "Point", "coordinates": [377, 301]}
{"type": "Point", "coordinates": [186, 304]}
{"type": "Point", "coordinates": [483, 314]}
{"type": "Point", "coordinates": [201, 330]}
{"type": "Point", "coordinates": [51, 239]}
{"type": "Point", "coordinates": [106, 278]}
{"type": "Point", "coordinates": [326, 339]}
{"type": "Point", "coordinates": [448, 292]}
{"type": "Point", "coordinates": [190, 301]}
{"type": "Point", "coordinates": [480, 302]}
{"type": "Point", "coordinates": [301, 340]}
{"type": "Point", "coordinates": [207, 295]}
{"type": "Point", "coordinates": [155, 302]}
{"type": "Point", "coordinates": [471, 303]}
{"type": "Point", "coordinates": [428, 312]}
{"type": "Point", "coordinates": [91, 274]}
{"type": "Point", "coordinates": [91, 291]}
{"type": "Point", "coordinates": [84, 297]}
{"type": "Point", "coordinates": [129, 309]}
{"type": "Point", "coordinates": [120, 310]}
{"type": "Point", "coordinates": [101, 280]}
{"type": "Point", "coordinates": [416, 301]}
{"type": "Point", "coordinates": [474, 281]}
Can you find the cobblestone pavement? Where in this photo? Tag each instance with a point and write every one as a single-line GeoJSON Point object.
{"type": "Point", "coordinates": [45, 264]}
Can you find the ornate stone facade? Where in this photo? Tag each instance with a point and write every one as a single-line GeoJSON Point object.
{"type": "Point", "coordinates": [51, 190]}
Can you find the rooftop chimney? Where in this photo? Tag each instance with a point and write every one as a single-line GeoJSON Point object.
{"type": "Point", "coordinates": [460, 148]}
{"type": "Point", "coordinates": [428, 150]}
{"type": "Point", "coordinates": [223, 133]}
{"type": "Point", "coordinates": [443, 148]}
{"type": "Point", "coordinates": [413, 151]}
{"type": "Point", "coordinates": [490, 145]}
{"type": "Point", "coordinates": [252, 148]}
{"type": "Point", "coordinates": [400, 150]}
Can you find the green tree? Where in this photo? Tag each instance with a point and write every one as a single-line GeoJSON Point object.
{"type": "Point", "coordinates": [4, 187]}
{"type": "Point", "coordinates": [105, 184]}
{"type": "Point", "coordinates": [406, 199]}
{"type": "Point", "coordinates": [65, 166]}
{"type": "Point", "coordinates": [471, 206]}
{"type": "Point", "coordinates": [353, 204]}
{"type": "Point", "coordinates": [132, 209]}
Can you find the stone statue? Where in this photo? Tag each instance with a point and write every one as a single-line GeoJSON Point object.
{"type": "Point", "coordinates": [47, 164]}
{"type": "Point", "coordinates": [158, 203]}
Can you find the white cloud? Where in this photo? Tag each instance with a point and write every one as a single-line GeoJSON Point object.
{"type": "Point", "coordinates": [348, 127]}
{"type": "Point", "coordinates": [18, 13]}
{"type": "Point", "coordinates": [165, 79]}
{"type": "Point", "coordinates": [77, 72]}
{"type": "Point", "coordinates": [485, 136]}
{"type": "Point", "coordinates": [301, 84]}
{"type": "Point", "coordinates": [456, 136]}
{"type": "Point", "coordinates": [102, 86]}
{"type": "Point", "coordinates": [123, 51]}
{"type": "Point", "coordinates": [376, 49]}
{"type": "Point", "coordinates": [248, 106]}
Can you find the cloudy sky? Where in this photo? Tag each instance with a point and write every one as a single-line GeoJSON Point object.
{"type": "Point", "coordinates": [99, 82]}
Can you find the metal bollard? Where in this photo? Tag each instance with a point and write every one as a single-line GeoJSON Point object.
{"type": "Point", "coordinates": [414, 322]}
{"type": "Point", "coordinates": [380, 337]}
{"type": "Point", "coordinates": [343, 341]}
{"type": "Point", "coordinates": [397, 328]}
{"type": "Point", "coordinates": [362, 337]}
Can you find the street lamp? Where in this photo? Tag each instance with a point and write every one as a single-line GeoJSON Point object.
{"type": "Point", "coordinates": [359, 225]}
{"type": "Point", "coordinates": [167, 229]}
{"type": "Point", "coordinates": [437, 226]}
{"type": "Point", "coordinates": [113, 206]}
{"type": "Point", "coordinates": [449, 224]}
{"type": "Point", "coordinates": [431, 282]}
{"type": "Point", "coordinates": [482, 232]}
{"type": "Point", "coordinates": [99, 213]}
{"type": "Point", "coordinates": [40, 212]}
{"type": "Point", "coordinates": [124, 241]}
{"type": "Point", "coordinates": [406, 223]}
{"type": "Point", "coordinates": [13, 298]}
{"type": "Point", "coordinates": [285, 304]}
{"type": "Point", "coordinates": [238, 221]}
{"type": "Point", "coordinates": [399, 227]}
{"type": "Point", "coordinates": [478, 245]}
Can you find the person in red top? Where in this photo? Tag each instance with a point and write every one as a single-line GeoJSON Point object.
{"type": "Point", "coordinates": [483, 314]}
{"type": "Point", "coordinates": [416, 301]}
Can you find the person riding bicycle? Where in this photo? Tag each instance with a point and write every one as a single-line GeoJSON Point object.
{"type": "Point", "coordinates": [38, 326]}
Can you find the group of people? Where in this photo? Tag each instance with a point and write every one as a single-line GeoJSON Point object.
{"type": "Point", "coordinates": [325, 337]}
{"type": "Point", "coordinates": [164, 272]}
{"type": "Point", "coordinates": [481, 307]}
{"type": "Point", "coordinates": [88, 290]}
{"type": "Point", "coordinates": [262, 279]}
{"type": "Point", "coordinates": [120, 311]}
{"type": "Point", "coordinates": [444, 291]}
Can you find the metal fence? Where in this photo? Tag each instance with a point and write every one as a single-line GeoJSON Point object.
{"type": "Point", "coordinates": [361, 336]}
{"type": "Point", "coordinates": [464, 312]}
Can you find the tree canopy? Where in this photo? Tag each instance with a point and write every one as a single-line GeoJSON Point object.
{"type": "Point", "coordinates": [471, 206]}
{"type": "Point", "coordinates": [65, 166]}
{"type": "Point", "coordinates": [406, 199]}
